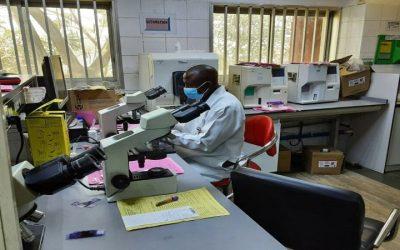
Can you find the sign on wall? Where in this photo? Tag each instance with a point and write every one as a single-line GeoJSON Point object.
{"type": "Point", "coordinates": [157, 23]}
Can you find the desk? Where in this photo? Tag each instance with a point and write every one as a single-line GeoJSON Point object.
{"type": "Point", "coordinates": [236, 231]}
{"type": "Point", "coordinates": [329, 109]}
{"type": "Point", "coordinates": [14, 97]}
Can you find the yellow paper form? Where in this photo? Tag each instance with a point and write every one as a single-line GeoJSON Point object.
{"type": "Point", "coordinates": [200, 200]}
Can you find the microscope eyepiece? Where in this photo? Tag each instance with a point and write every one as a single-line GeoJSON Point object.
{"type": "Point", "coordinates": [60, 173]}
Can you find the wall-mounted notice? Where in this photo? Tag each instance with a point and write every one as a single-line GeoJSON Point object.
{"type": "Point", "coordinates": [157, 24]}
{"type": "Point", "coordinates": [153, 23]}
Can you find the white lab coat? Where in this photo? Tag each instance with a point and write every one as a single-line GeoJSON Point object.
{"type": "Point", "coordinates": [213, 138]}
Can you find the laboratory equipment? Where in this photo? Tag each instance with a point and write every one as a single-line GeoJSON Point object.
{"type": "Point", "coordinates": [388, 49]}
{"type": "Point", "coordinates": [256, 84]}
{"type": "Point", "coordinates": [144, 142]}
{"type": "Point", "coordinates": [54, 80]}
{"type": "Point", "coordinates": [313, 82]}
{"type": "Point", "coordinates": [131, 102]}
{"type": "Point", "coordinates": [49, 178]}
{"type": "Point", "coordinates": [166, 70]}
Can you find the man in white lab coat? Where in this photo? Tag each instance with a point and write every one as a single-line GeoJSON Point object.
{"type": "Point", "coordinates": [214, 139]}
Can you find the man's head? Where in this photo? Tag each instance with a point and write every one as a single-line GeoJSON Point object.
{"type": "Point", "coordinates": [201, 77]}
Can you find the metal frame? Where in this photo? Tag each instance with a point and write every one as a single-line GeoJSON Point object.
{"type": "Point", "coordinates": [283, 34]}
{"type": "Point", "coordinates": [273, 11]}
{"type": "Point", "coordinates": [303, 39]}
{"type": "Point", "coordinates": [293, 38]}
{"type": "Point", "coordinates": [98, 39]}
{"type": "Point", "coordinates": [26, 28]}
{"type": "Point", "coordinates": [24, 40]}
{"type": "Point", "coordinates": [46, 22]}
{"type": "Point", "coordinates": [66, 39]}
{"type": "Point", "coordinates": [13, 36]}
{"type": "Point", "coordinates": [314, 34]}
{"type": "Point", "coordinates": [28, 20]}
{"type": "Point", "coordinates": [78, 7]}
{"type": "Point", "coordinates": [271, 36]}
{"type": "Point", "coordinates": [261, 33]}
{"type": "Point", "coordinates": [249, 34]}
{"type": "Point", "coordinates": [225, 41]}
{"type": "Point", "coordinates": [237, 33]}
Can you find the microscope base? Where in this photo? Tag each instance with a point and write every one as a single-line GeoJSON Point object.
{"type": "Point", "coordinates": [38, 231]}
{"type": "Point", "coordinates": [144, 188]}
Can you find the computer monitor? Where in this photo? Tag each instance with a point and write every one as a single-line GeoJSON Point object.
{"type": "Point", "coordinates": [54, 80]}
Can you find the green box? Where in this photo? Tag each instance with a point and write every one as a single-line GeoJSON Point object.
{"type": "Point", "coordinates": [387, 49]}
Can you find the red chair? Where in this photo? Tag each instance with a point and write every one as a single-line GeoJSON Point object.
{"type": "Point", "coordinates": [259, 130]}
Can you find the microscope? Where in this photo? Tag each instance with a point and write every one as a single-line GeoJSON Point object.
{"type": "Point", "coordinates": [144, 142]}
{"type": "Point", "coordinates": [132, 102]}
{"type": "Point", "coordinates": [49, 178]}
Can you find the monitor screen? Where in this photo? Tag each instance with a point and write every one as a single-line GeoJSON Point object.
{"type": "Point", "coordinates": [60, 86]}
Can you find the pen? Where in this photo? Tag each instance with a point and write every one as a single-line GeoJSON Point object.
{"type": "Point", "coordinates": [168, 200]}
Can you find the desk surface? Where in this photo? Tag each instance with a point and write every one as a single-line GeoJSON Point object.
{"type": "Point", "coordinates": [236, 231]}
{"type": "Point", "coordinates": [326, 109]}
{"type": "Point", "coordinates": [25, 80]}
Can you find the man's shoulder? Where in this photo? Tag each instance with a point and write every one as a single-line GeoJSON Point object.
{"type": "Point", "coordinates": [230, 102]}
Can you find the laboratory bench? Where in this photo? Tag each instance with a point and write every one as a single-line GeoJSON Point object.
{"type": "Point", "coordinates": [235, 231]}
{"type": "Point", "coordinates": [329, 109]}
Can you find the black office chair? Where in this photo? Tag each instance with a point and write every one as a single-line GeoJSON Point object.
{"type": "Point", "coordinates": [303, 215]}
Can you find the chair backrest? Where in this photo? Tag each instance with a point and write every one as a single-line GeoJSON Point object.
{"type": "Point", "coordinates": [299, 214]}
{"type": "Point", "coordinates": [259, 130]}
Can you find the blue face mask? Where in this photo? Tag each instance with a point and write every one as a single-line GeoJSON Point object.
{"type": "Point", "coordinates": [192, 93]}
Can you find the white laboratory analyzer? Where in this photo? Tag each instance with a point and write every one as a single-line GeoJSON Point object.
{"type": "Point", "coordinates": [166, 70]}
{"type": "Point", "coordinates": [256, 84]}
{"type": "Point", "coordinates": [313, 82]}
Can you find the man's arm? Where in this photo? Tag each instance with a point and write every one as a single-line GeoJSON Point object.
{"type": "Point", "coordinates": [222, 126]}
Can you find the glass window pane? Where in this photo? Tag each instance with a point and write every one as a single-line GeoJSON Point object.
{"type": "Point", "coordinates": [231, 41]}
{"type": "Point", "coordinates": [265, 40]}
{"type": "Point", "coordinates": [277, 46]}
{"type": "Point", "coordinates": [218, 40]}
{"type": "Point", "coordinates": [255, 38]}
{"type": "Point", "coordinates": [243, 37]}
{"type": "Point", "coordinates": [288, 37]}
{"type": "Point", "coordinates": [298, 39]}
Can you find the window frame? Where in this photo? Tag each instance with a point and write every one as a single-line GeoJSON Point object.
{"type": "Point", "coordinates": [29, 53]}
{"type": "Point", "coordinates": [329, 40]}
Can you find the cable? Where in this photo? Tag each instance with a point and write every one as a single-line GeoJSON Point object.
{"type": "Point", "coordinates": [91, 188]}
{"type": "Point", "coordinates": [21, 147]}
{"type": "Point", "coordinates": [87, 137]}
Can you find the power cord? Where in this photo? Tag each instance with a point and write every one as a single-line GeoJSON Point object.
{"type": "Point", "coordinates": [16, 120]}
{"type": "Point", "coordinates": [91, 188]}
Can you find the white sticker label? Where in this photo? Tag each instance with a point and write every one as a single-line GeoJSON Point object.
{"type": "Point", "coordinates": [357, 81]}
{"type": "Point", "coordinates": [327, 164]}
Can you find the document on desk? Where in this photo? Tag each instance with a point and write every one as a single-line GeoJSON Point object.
{"type": "Point", "coordinates": [192, 205]}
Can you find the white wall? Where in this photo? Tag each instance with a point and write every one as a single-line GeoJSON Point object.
{"type": "Point", "coordinates": [361, 24]}
{"type": "Point", "coordinates": [192, 20]}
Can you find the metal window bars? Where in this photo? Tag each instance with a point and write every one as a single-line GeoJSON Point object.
{"type": "Point", "coordinates": [28, 41]}
{"type": "Point", "coordinates": [302, 35]}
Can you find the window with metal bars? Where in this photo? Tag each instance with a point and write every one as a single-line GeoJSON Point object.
{"type": "Point", "coordinates": [79, 31]}
{"type": "Point", "coordinates": [273, 34]}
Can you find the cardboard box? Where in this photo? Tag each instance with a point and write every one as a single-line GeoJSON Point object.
{"type": "Point", "coordinates": [318, 162]}
{"type": "Point", "coordinates": [284, 159]}
{"type": "Point", "coordinates": [354, 82]}
{"type": "Point", "coordinates": [91, 100]}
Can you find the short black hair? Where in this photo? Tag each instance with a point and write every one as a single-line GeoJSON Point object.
{"type": "Point", "coordinates": [202, 73]}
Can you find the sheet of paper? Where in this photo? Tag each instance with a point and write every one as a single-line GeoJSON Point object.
{"type": "Point", "coordinates": [164, 216]}
{"type": "Point", "coordinates": [199, 200]}
{"type": "Point", "coordinates": [167, 163]}
{"type": "Point", "coordinates": [96, 178]}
